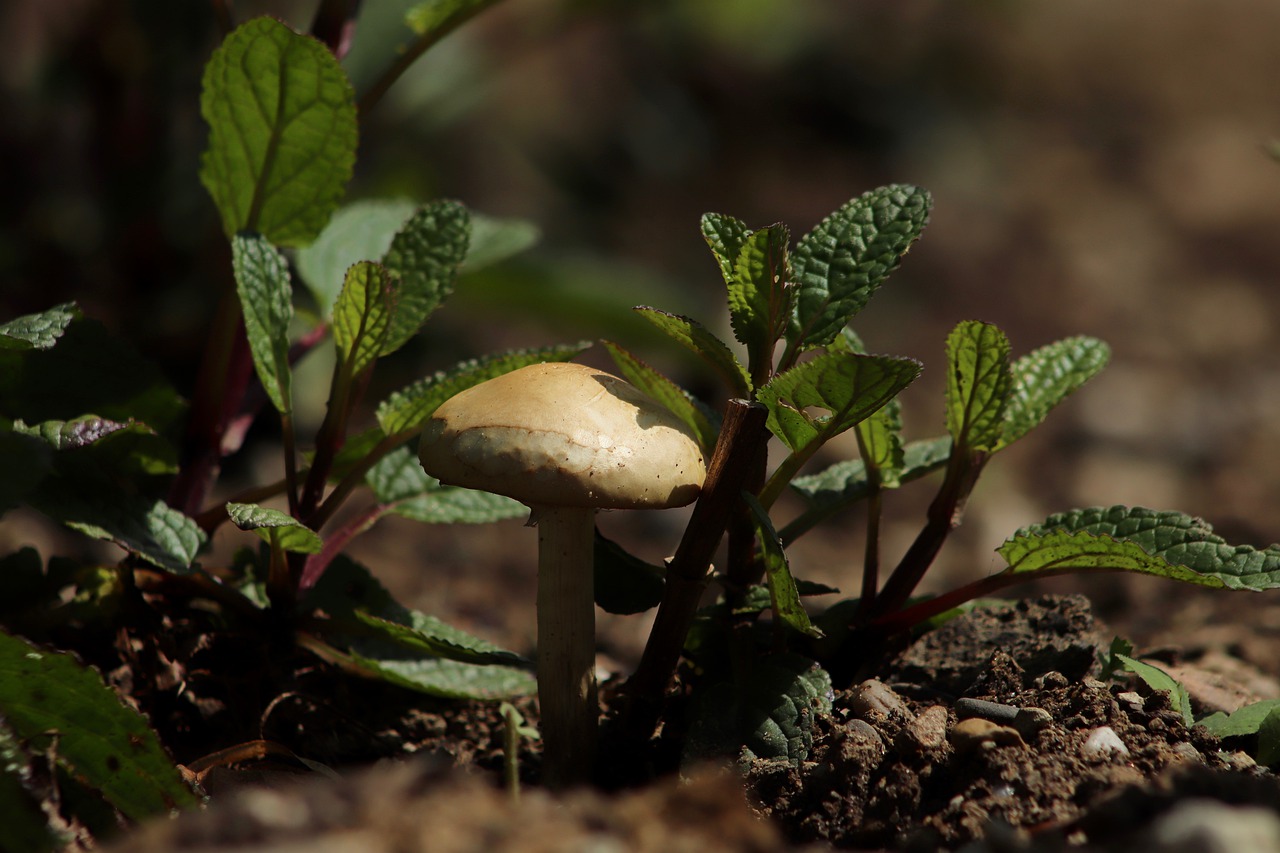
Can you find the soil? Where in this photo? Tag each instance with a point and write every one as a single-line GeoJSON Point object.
{"type": "Point", "coordinates": [906, 760]}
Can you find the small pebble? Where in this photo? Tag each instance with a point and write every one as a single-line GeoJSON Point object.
{"type": "Point", "coordinates": [1103, 741]}
{"type": "Point", "coordinates": [873, 701]}
{"type": "Point", "coordinates": [994, 711]}
{"type": "Point", "coordinates": [929, 730]}
{"type": "Point", "coordinates": [1132, 701]}
{"type": "Point", "coordinates": [977, 733]}
{"type": "Point", "coordinates": [1031, 721]}
{"type": "Point", "coordinates": [1187, 752]}
{"type": "Point", "coordinates": [862, 730]}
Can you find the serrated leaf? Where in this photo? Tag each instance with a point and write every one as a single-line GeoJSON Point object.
{"type": "Point", "coordinates": [1157, 679]}
{"type": "Point", "coordinates": [760, 292]}
{"type": "Point", "coordinates": [400, 483]}
{"type": "Point", "coordinates": [979, 383]}
{"type": "Point", "coordinates": [105, 744]}
{"type": "Point", "coordinates": [725, 235]}
{"type": "Point", "coordinates": [362, 316]}
{"type": "Point", "coordinates": [678, 401]}
{"type": "Point", "coordinates": [880, 434]}
{"type": "Point", "coordinates": [37, 331]}
{"type": "Point", "coordinates": [705, 345]}
{"type": "Point", "coordinates": [122, 447]}
{"type": "Point", "coordinates": [1045, 377]}
{"type": "Point", "coordinates": [1121, 538]}
{"type": "Point", "coordinates": [494, 239]}
{"type": "Point", "coordinates": [405, 411]}
{"type": "Point", "coordinates": [424, 257]}
{"type": "Point", "coordinates": [624, 584]}
{"type": "Point", "coordinates": [147, 528]}
{"type": "Point", "coordinates": [266, 300]}
{"type": "Point", "coordinates": [276, 528]}
{"type": "Point", "coordinates": [437, 639]}
{"type": "Point", "coordinates": [841, 263]}
{"type": "Point", "coordinates": [282, 132]}
{"type": "Point", "coordinates": [356, 232]}
{"type": "Point", "coordinates": [849, 386]}
{"type": "Point", "coordinates": [440, 677]}
{"type": "Point", "coordinates": [782, 586]}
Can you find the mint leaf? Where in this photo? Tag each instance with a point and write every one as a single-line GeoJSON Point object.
{"type": "Point", "coordinates": [1121, 538]}
{"type": "Point", "coordinates": [432, 636]}
{"type": "Point", "coordinates": [978, 384]}
{"type": "Point", "coordinates": [760, 293]}
{"type": "Point", "coordinates": [49, 698]}
{"type": "Point", "coordinates": [425, 256]}
{"type": "Point", "coordinates": [704, 344]}
{"type": "Point", "coordinates": [666, 392]}
{"type": "Point", "coordinates": [362, 316]}
{"type": "Point", "coordinates": [356, 232]}
{"type": "Point", "coordinates": [1045, 377]}
{"type": "Point", "coordinates": [399, 482]}
{"type": "Point", "coordinates": [1157, 679]}
{"type": "Point", "coordinates": [282, 132]}
{"type": "Point", "coordinates": [276, 528]}
{"type": "Point", "coordinates": [37, 331]}
{"type": "Point", "coordinates": [147, 528]}
{"type": "Point", "coordinates": [127, 447]}
{"type": "Point", "coordinates": [841, 263]}
{"type": "Point", "coordinates": [405, 411]}
{"type": "Point", "coordinates": [266, 299]}
{"type": "Point", "coordinates": [725, 235]}
{"type": "Point", "coordinates": [1260, 718]}
{"type": "Point", "coordinates": [782, 586]}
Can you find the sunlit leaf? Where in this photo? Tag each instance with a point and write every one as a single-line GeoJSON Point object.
{"type": "Point", "coordinates": [760, 292]}
{"type": "Point", "coordinates": [363, 315]}
{"type": "Point", "coordinates": [266, 299]}
{"type": "Point", "coordinates": [704, 344]}
{"type": "Point", "coordinates": [979, 383]}
{"type": "Point", "coordinates": [1045, 377]}
{"type": "Point", "coordinates": [424, 258]}
{"type": "Point", "coordinates": [276, 528]}
{"type": "Point", "coordinates": [666, 392]}
{"type": "Point", "coordinates": [38, 331]}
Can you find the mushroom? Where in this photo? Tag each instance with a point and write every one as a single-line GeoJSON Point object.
{"type": "Point", "coordinates": [566, 440]}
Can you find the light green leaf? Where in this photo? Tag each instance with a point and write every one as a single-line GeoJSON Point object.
{"type": "Point", "coordinates": [1157, 679]}
{"type": "Point", "coordinates": [37, 331]}
{"type": "Point", "coordinates": [979, 383]}
{"type": "Point", "coordinates": [782, 586]}
{"type": "Point", "coordinates": [266, 299]}
{"type": "Point", "coordinates": [357, 232]}
{"type": "Point", "coordinates": [400, 483]}
{"type": "Point", "coordinates": [849, 386]}
{"type": "Point", "coordinates": [494, 239]}
{"type": "Point", "coordinates": [48, 697]}
{"type": "Point", "coordinates": [405, 411]}
{"type": "Point", "coordinates": [362, 316]}
{"type": "Point", "coordinates": [705, 345]}
{"type": "Point", "coordinates": [276, 528]}
{"type": "Point", "coordinates": [841, 263]}
{"type": "Point", "coordinates": [725, 235]}
{"type": "Point", "coordinates": [666, 392]}
{"type": "Point", "coordinates": [1260, 718]}
{"type": "Point", "coordinates": [282, 132]}
{"type": "Point", "coordinates": [424, 257]}
{"type": "Point", "coordinates": [1045, 377]}
{"type": "Point", "coordinates": [760, 292]}
{"type": "Point", "coordinates": [1120, 538]}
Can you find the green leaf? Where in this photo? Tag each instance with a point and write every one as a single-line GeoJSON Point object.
{"type": "Point", "coordinates": [782, 586]}
{"type": "Point", "coordinates": [439, 677]}
{"type": "Point", "coordinates": [362, 316]}
{"type": "Point", "coordinates": [145, 527]}
{"type": "Point", "coordinates": [624, 584]}
{"type": "Point", "coordinates": [1157, 679]}
{"type": "Point", "coordinates": [1045, 377]}
{"type": "Point", "coordinates": [979, 383]}
{"type": "Point", "coordinates": [105, 744]}
{"type": "Point", "coordinates": [1260, 718]}
{"type": "Point", "coordinates": [666, 392]}
{"type": "Point", "coordinates": [494, 239]}
{"type": "Point", "coordinates": [266, 299]}
{"type": "Point", "coordinates": [841, 263]}
{"type": "Point", "coordinates": [405, 411]}
{"type": "Point", "coordinates": [849, 386]}
{"type": "Point", "coordinates": [725, 235]}
{"type": "Point", "coordinates": [1121, 538]}
{"type": "Point", "coordinates": [282, 132]}
{"type": "Point", "coordinates": [276, 528]}
{"type": "Point", "coordinates": [400, 483]}
{"type": "Point", "coordinates": [424, 256]}
{"type": "Point", "coordinates": [435, 638]}
{"type": "Point", "coordinates": [125, 447]}
{"type": "Point", "coordinates": [705, 345]}
{"type": "Point", "coordinates": [760, 292]}
{"type": "Point", "coordinates": [357, 232]}
{"type": "Point", "coordinates": [37, 331]}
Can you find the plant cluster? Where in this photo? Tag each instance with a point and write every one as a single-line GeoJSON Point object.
{"type": "Point", "coordinates": [94, 438]}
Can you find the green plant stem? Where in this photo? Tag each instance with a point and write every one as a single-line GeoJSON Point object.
{"type": "Point", "coordinates": [742, 436]}
{"type": "Point", "coordinates": [413, 52]}
{"type": "Point", "coordinates": [786, 472]}
{"type": "Point", "coordinates": [288, 439]}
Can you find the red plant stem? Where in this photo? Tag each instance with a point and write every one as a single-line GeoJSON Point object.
{"type": "Point", "coordinates": [335, 25]}
{"type": "Point", "coordinates": [335, 542]}
{"type": "Point", "coordinates": [742, 437]}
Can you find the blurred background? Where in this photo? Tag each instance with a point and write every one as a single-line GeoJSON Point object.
{"type": "Point", "coordinates": [1098, 168]}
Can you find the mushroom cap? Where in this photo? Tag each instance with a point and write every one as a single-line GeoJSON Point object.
{"type": "Point", "coordinates": [563, 434]}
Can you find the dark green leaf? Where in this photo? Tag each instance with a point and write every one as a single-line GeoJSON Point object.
{"type": "Point", "coordinates": [625, 584]}
{"type": "Point", "coordinates": [145, 527]}
{"type": "Point", "coordinates": [760, 292]}
{"type": "Point", "coordinates": [276, 528]}
{"type": "Point", "coordinates": [123, 448]}
{"type": "Point", "coordinates": [782, 586]}
{"type": "Point", "coordinates": [424, 257]}
{"type": "Point", "coordinates": [363, 315]}
{"type": "Point", "coordinates": [433, 637]}
{"type": "Point", "coordinates": [101, 741]}
{"type": "Point", "coordinates": [25, 461]}
{"type": "Point", "coordinates": [979, 383]}
{"type": "Point", "coordinates": [841, 263]}
{"type": "Point", "coordinates": [282, 132]}
{"type": "Point", "coordinates": [725, 235]}
{"type": "Point", "coordinates": [1045, 377]}
{"type": "Point", "coordinates": [400, 483]}
{"type": "Point", "coordinates": [440, 677]}
{"type": "Point", "coordinates": [37, 331]}
{"type": "Point", "coordinates": [266, 299]}
{"type": "Point", "coordinates": [705, 345]}
{"type": "Point", "coordinates": [1157, 679]}
{"type": "Point", "coordinates": [405, 411]}
{"type": "Point", "coordinates": [666, 392]}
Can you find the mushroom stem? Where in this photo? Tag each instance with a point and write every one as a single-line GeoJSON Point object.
{"type": "Point", "coordinates": [566, 643]}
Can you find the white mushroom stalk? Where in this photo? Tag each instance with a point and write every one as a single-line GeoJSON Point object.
{"type": "Point", "coordinates": [565, 439]}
